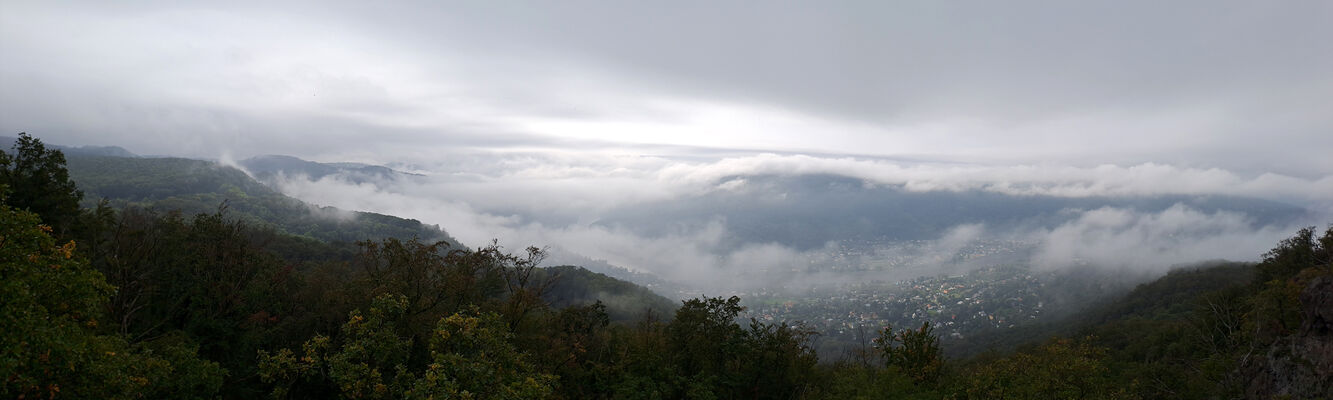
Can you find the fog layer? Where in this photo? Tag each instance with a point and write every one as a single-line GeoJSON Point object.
{"type": "Point", "coordinates": [533, 200]}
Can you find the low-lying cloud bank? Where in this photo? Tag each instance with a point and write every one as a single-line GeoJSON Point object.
{"type": "Point", "coordinates": [591, 182]}
{"type": "Point", "coordinates": [514, 197]}
{"type": "Point", "coordinates": [1111, 237]}
{"type": "Point", "coordinates": [1065, 181]}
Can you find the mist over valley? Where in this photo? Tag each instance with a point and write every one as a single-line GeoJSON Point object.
{"type": "Point", "coordinates": [726, 200]}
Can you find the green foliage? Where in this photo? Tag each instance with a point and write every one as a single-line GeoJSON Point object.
{"type": "Point", "coordinates": [50, 302]}
{"type": "Point", "coordinates": [844, 380]}
{"type": "Point", "coordinates": [36, 180]}
{"type": "Point", "coordinates": [470, 357]}
{"type": "Point", "coordinates": [177, 371]}
{"type": "Point", "coordinates": [776, 360]}
{"type": "Point", "coordinates": [49, 345]}
{"type": "Point", "coordinates": [640, 369]}
{"type": "Point", "coordinates": [702, 353]}
{"type": "Point", "coordinates": [204, 276]}
{"type": "Point", "coordinates": [371, 356]}
{"type": "Point", "coordinates": [439, 281]}
{"type": "Point", "coordinates": [914, 351]}
{"type": "Point", "coordinates": [524, 285]}
{"type": "Point", "coordinates": [435, 279]}
{"type": "Point", "coordinates": [703, 338]}
{"type": "Point", "coordinates": [1060, 369]}
{"type": "Point", "coordinates": [1301, 251]}
{"type": "Point", "coordinates": [576, 347]}
{"type": "Point", "coordinates": [713, 356]}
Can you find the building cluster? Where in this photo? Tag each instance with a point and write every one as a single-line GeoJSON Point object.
{"type": "Point", "coordinates": [992, 298]}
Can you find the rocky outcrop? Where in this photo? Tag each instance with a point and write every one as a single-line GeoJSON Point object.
{"type": "Point", "coordinates": [1317, 306]}
{"type": "Point", "coordinates": [1299, 366]}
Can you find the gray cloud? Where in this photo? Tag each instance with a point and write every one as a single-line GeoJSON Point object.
{"type": "Point", "coordinates": [584, 185]}
{"type": "Point", "coordinates": [1242, 86]}
{"type": "Point", "coordinates": [1119, 238]}
{"type": "Point", "coordinates": [555, 201]}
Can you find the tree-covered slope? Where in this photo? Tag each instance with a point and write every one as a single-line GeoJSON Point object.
{"type": "Point", "coordinates": [624, 301]}
{"type": "Point", "coordinates": [270, 167]}
{"type": "Point", "coordinates": [196, 186]}
{"type": "Point", "coordinates": [1216, 330]}
{"type": "Point", "coordinates": [133, 304]}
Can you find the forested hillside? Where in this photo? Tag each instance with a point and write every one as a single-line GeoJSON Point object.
{"type": "Point", "coordinates": [196, 186]}
{"type": "Point", "coordinates": [130, 303]}
{"type": "Point", "coordinates": [270, 167]}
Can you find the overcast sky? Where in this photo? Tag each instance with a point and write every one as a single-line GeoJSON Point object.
{"type": "Point", "coordinates": [1244, 86]}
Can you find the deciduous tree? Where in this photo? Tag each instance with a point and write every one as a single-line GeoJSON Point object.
{"type": "Point", "coordinates": [37, 181]}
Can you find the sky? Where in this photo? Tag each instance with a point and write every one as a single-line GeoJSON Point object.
{"type": "Point", "coordinates": [1238, 85]}
{"type": "Point", "coordinates": [512, 105]}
